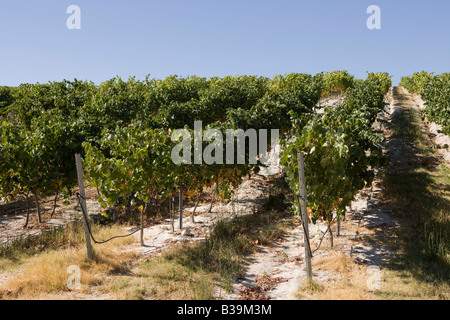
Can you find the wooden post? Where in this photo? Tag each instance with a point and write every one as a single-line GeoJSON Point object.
{"type": "Point", "coordinates": [142, 226]}
{"type": "Point", "coordinates": [213, 198]}
{"type": "Point", "coordinates": [195, 208]}
{"type": "Point", "coordinates": [331, 235]}
{"type": "Point", "coordinates": [84, 206]}
{"type": "Point", "coordinates": [181, 207]}
{"type": "Point", "coordinates": [28, 210]}
{"type": "Point", "coordinates": [54, 203]}
{"type": "Point", "coordinates": [304, 209]}
{"type": "Point", "coordinates": [172, 212]}
{"type": "Point", "coordinates": [38, 207]}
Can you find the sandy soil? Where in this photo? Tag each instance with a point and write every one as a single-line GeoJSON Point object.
{"type": "Point", "coordinates": [13, 216]}
{"type": "Point", "coordinates": [333, 101]}
{"type": "Point", "coordinates": [247, 199]}
{"type": "Point", "coordinates": [284, 260]}
{"type": "Point", "coordinates": [434, 129]}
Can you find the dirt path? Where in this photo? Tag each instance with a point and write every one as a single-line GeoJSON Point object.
{"type": "Point", "coordinates": [13, 216]}
{"type": "Point", "coordinates": [278, 271]}
{"type": "Point", "coordinates": [247, 199]}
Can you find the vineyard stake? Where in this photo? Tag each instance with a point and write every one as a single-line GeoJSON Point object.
{"type": "Point", "coordinates": [84, 206]}
{"type": "Point", "coordinates": [142, 227]}
{"type": "Point", "coordinates": [38, 207]}
{"type": "Point", "coordinates": [304, 211]}
{"type": "Point", "coordinates": [213, 197]}
{"type": "Point", "coordinates": [171, 205]}
{"type": "Point", "coordinates": [181, 207]}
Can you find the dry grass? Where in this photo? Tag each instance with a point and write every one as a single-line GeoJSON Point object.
{"type": "Point", "coordinates": [161, 279]}
{"type": "Point", "coordinates": [403, 285]}
{"type": "Point", "coordinates": [183, 273]}
{"type": "Point", "coordinates": [346, 280]}
{"type": "Point", "coordinates": [310, 288]}
{"type": "Point", "coordinates": [336, 262]}
{"type": "Point", "coordinates": [6, 264]}
{"type": "Point", "coordinates": [45, 274]}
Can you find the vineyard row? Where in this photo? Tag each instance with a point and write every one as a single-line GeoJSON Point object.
{"type": "Point", "coordinates": [123, 129]}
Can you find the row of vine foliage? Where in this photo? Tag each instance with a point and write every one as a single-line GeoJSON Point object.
{"type": "Point", "coordinates": [435, 91]}
{"type": "Point", "coordinates": [123, 129]}
{"type": "Point", "coordinates": [341, 149]}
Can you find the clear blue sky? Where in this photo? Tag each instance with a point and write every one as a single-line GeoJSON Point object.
{"type": "Point", "coordinates": [218, 38]}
